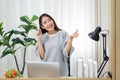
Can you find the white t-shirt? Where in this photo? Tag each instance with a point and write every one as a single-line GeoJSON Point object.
{"type": "Point", "coordinates": [55, 51]}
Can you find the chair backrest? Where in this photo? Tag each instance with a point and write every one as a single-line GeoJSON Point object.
{"type": "Point", "coordinates": [68, 62]}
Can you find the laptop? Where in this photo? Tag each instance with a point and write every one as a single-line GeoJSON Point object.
{"type": "Point", "coordinates": [37, 69]}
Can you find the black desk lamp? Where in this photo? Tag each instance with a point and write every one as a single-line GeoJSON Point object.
{"type": "Point", "coordinates": [95, 36]}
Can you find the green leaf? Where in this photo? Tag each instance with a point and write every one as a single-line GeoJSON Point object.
{"type": "Point", "coordinates": [1, 24]}
{"type": "Point", "coordinates": [17, 41]}
{"type": "Point", "coordinates": [5, 41]}
{"type": "Point", "coordinates": [25, 19]}
{"type": "Point", "coordinates": [9, 34]}
{"type": "Point", "coordinates": [6, 52]}
{"type": "Point", "coordinates": [33, 27]}
{"type": "Point", "coordinates": [22, 25]}
{"type": "Point", "coordinates": [21, 33]}
{"type": "Point", "coordinates": [25, 27]}
{"type": "Point", "coordinates": [30, 41]}
{"type": "Point", "coordinates": [30, 27]}
{"type": "Point", "coordinates": [6, 38]}
{"type": "Point", "coordinates": [34, 18]}
{"type": "Point", "coordinates": [1, 43]}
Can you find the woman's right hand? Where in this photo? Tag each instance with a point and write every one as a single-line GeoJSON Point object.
{"type": "Point", "coordinates": [39, 34]}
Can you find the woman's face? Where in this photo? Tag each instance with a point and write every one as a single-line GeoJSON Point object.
{"type": "Point", "coordinates": [47, 23]}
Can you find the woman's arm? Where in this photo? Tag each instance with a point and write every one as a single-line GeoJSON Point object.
{"type": "Point", "coordinates": [69, 44]}
{"type": "Point", "coordinates": [70, 39]}
{"type": "Point", "coordinates": [40, 49]}
{"type": "Point", "coordinates": [40, 46]}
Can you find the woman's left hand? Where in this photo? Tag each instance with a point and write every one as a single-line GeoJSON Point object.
{"type": "Point", "coordinates": [75, 34]}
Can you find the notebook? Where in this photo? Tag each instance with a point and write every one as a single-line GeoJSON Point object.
{"type": "Point", "coordinates": [37, 69]}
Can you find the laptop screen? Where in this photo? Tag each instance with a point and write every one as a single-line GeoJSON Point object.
{"type": "Point", "coordinates": [37, 69]}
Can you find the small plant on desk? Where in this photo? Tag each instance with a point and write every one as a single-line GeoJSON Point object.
{"type": "Point", "coordinates": [12, 73]}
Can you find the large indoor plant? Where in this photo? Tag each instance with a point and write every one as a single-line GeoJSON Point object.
{"type": "Point", "coordinates": [10, 42]}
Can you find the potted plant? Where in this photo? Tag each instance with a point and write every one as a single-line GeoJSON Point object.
{"type": "Point", "coordinates": [10, 43]}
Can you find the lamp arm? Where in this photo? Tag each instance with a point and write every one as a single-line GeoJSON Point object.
{"type": "Point", "coordinates": [105, 57]}
{"type": "Point", "coordinates": [101, 67]}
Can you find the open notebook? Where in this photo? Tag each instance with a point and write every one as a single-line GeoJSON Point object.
{"type": "Point", "coordinates": [37, 69]}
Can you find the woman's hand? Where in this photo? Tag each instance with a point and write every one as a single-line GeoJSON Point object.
{"type": "Point", "coordinates": [75, 34]}
{"type": "Point", "coordinates": [69, 42]}
{"type": "Point", "coordinates": [39, 34]}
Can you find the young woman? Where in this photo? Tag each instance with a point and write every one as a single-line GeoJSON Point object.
{"type": "Point", "coordinates": [54, 44]}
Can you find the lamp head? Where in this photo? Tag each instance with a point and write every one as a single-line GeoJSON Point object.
{"type": "Point", "coordinates": [95, 34]}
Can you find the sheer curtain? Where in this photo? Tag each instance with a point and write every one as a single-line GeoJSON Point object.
{"type": "Point", "coordinates": [69, 16]}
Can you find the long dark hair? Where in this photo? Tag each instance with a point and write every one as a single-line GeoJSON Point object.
{"type": "Point", "coordinates": [40, 23]}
